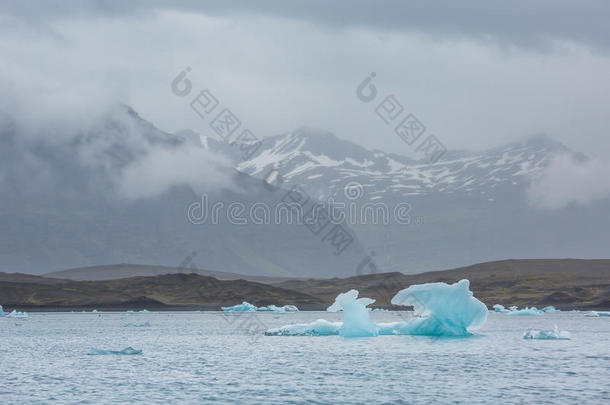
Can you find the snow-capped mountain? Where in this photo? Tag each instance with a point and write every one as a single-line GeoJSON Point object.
{"type": "Point", "coordinates": [324, 164]}
{"type": "Point", "coordinates": [118, 190]}
{"type": "Point", "coordinates": [468, 207]}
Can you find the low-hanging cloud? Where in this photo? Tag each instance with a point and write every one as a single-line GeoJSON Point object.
{"type": "Point", "coordinates": [280, 65]}
{"type": "Point", "coordinates": [161, 169]}
{"type": "Point", "coordinates": [56, 137]}
{"type": "Point", "coordinates": [567, 181]}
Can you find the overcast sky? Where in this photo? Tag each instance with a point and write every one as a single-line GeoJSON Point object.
{"type": "Point", "coordinates": [476, 73]}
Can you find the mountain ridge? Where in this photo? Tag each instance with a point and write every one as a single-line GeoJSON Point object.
{"type": "Point", "coordinates": [63, 207]}
{"type": "Point", "coordinates": [564, 283]}
{"type": "Point", "coordinates": [319, 160]}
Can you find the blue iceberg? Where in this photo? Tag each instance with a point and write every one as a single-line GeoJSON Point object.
{"type": "Point", "coordinates": [524, 312]}
{"type": "Point", "coordinates": [550, 308]}
{"type": "Point", "coordinates": [243, 307]}
{"type": "Point", "coordinates": [356, 316]}
{"type": "Point", "coordinates": [442, 310]}
{"type": "Point", "coordinates": [128, 351]}
{"type": "Point", "coordinates": [15, 314]}
{"type": "Point", "coordinates": [1, 312]}
{"type": "Point", "coordinates": [499, 308]}
{"type": "Point", "coordinates": [356, 320]}
{"type": "Point", "coordinates": [554, 334]}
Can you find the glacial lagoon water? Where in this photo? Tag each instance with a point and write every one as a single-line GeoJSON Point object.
{"type": "Point", "coordinates": [206, 357]}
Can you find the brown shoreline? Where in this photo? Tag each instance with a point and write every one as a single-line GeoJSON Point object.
{"type": "Point", "coordinates": [566, 284]}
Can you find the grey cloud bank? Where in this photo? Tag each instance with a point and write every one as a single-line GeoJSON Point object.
{"type": "Point", "coordinates": [567, 182]}
{"type": "Point", "coordinates": [477, 73]}
{"type": "Point", "coordinates": [525, 23]}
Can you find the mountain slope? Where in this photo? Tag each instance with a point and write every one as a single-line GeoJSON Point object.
{"type": "Point", "coordinates": [564, 283]}
{"type": "Point", "coordinates": [324, 164]}
{"type": "Point", "coordinates": [178, 290]}
{"type": "Point", "coordinates": [117, 271]}
{"type": "Point", "coordinates": [119, 192]}
{"type": "Point", "coordinates": [468, 207]}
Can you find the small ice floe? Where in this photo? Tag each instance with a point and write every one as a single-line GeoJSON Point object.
{"type": "Point", "coordinates": [524, 312]}
{"type": "Point", "coordinates": [278, 310]}
{"type": "Point", "coordinates": [137, 325]}
{"type": "Point", "coordinates": [145, 311]}
{"type": "Point", "coordinates": [320, 327]}
{"type": "Point", "coordinates": [554, 334]}
{"type": "Point", "coordinates": [127, 351]}
{"type": "Point", "coordinates": [550, 308]}
{"type": "Point", "coordinates": [596, 314]}
{"type": "Point", "coordinates": [94, 311]}
{"type": "Point", "coordinates": [243, 307]}
{"type": "Point", "coordinates": [1, 312]}
{"type": "Point", "coordinates": [499, 308]}
{"type": "Point", "coordinates": [15, 314]}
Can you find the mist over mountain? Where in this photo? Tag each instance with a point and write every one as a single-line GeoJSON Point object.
{"type": "Point", "coordinates": [119, 190]}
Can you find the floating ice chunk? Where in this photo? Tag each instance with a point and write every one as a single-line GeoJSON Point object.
{"type": "Point", "coordinates": [243, 307]}
{"type": "Point", "coordinates": [513, 308]}
{"type": "Point", "coordinates": [274, 309]}
{"type": "Point", "coordinates": [356, 316]}
{"type": "Point", "coordinates": [499, 308]}
{"type": "Point", "coordinates": [127, 351]}
{"type": "Point", "coordinates": [94, 311]}
{"type": "Point", "coordinates": [1, 312]}
{"type": "Point", "coordinates": [595, 314]}
{"type": "Point", "coordinates": [592, 314]}
{"type": "Point", "coordinates": [525, 312]}
{"type": "Point", "coordinates": [356, 320]}
{"type": "Point", "coordinates": [278, 310]}
{"type": "Point", "coordinates": [602, 313]}
{"type": "Point", "coordinates": [320, 327]}
{"type": "Point", "coordinates": [145, 311]}
{"type": "Point", "coordinates": [554, 334]}
{"type": "Point", "coordinates": [444, 310]}
{"type": "Point", "coordinates": [550, 308]}
{"type": "Point", "coordinates": [15, 314]}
